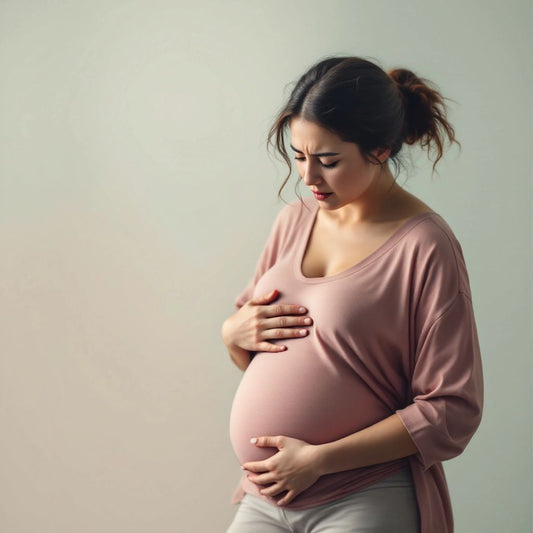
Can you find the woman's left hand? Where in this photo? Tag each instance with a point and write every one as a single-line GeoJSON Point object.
{"type": "Point", "coordinates": [293, 468]}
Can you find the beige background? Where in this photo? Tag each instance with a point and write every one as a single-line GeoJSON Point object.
{"type": "Point", "coordinates": [135, 197]}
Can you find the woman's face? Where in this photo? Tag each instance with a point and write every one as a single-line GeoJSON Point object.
{"type": "Point", "coordinates": [327, 164]}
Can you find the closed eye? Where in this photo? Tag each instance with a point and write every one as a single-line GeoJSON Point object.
{"type": "Point", "coordinates": [330, 165]}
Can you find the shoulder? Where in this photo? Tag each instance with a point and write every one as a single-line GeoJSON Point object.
{"type": "Point", "coordinates": [438, 252]}
{"type": "Point", "coordinates": [298, 210]}
{"type": "Point", "coordinates": [431, 228]}
{"type": "Point", "coordinates": [295, 214]}
{"type": "Point", "coordinates": [286, 227]}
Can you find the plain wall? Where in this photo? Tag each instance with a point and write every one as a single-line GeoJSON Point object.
{"type": "Point", "coordinates": [135, 197]}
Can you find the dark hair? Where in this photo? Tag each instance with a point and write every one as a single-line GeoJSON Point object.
{"type": "Point", "coordinates": [358, 101]}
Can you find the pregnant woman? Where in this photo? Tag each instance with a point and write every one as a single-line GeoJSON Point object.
{"type": "Point", "coordinates": [356, 334]}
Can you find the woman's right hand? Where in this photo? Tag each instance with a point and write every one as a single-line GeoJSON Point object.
{"type": "Point", "coordinates": [258, 321]}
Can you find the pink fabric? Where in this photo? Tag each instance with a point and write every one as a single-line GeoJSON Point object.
{"type": "Point", "coordinates": [394, 333]}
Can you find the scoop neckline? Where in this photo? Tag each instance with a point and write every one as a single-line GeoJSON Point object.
{"type": "Point", "coordinates": [380, 250]}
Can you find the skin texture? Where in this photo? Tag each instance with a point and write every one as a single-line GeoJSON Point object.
{"type": "Point", "coordinates": [249, 329]}
{"type": "Point", "coordinates": [361, 190]}
{"type": "Point", "coordinates": [298, 464]}
{"type": "Point", "coordinates": [363, 194]}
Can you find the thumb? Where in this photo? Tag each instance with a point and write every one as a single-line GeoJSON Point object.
{"type": "Point", "coordinates": [267, 442]}
{"type": "Point", "coordinates": [272, 295]}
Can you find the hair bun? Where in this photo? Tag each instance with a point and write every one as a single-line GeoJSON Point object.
{"type": "Point", "coordinates": [419, 103]}
{"type": "Point", "coordinates": [425, 112]}
{"type": "Point", "coordinates": [361, 103]}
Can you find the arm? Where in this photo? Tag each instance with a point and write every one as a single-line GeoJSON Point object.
{"type": "Point", "coordinates": [446, 385]}
{"type": "Point", "coordinates": [384, 441]}
{"type": "Point", "coordinates": [445, 411]}
{"type": "Point", "coordinates": [240, 357]}
{"type": "Point", "coordinates": [298, 464]}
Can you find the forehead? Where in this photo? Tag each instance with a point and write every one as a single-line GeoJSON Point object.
{"type": "Point", "coordinates": [311, 137]}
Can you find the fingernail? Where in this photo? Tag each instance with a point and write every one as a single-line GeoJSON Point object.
{"type": "Point", "coordinates": [253, 440]}
{"type": "Point", "coordinates": [303, 332]}
{"type": "Point", "coordinates": [307, 321]}
{"type": "Point", "coordinates": [302, 309]}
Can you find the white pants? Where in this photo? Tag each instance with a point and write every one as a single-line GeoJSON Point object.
{"type": "Point", "coordinates": [388, 506]}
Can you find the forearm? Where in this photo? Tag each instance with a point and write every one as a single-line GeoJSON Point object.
{"type": "Point", "coordinates": [384, 441]}
{"type": "Point", "coordinates": [239, 356]}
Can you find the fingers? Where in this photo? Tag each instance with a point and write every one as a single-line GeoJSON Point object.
{"type": "Point", "coordinates": [268, 442]}
{"type": "Point", "coordinates": [275, 489]}
{"type": "Point", "coordinates": [281, 327]}
{"type": "Point", "coordinates": [269, 347]}
{"type": "Point", "coordinates": [257, 467]}
{"type": "Point", "coordinates": [263, 442]}
{"type": "Point", "coordinates": [287, 327]}
{"type": "Point", "coordinates": [262, 479]}
{"type": "Point", "coordinates": [271, 332]}
{"type": "Point", "coordinates": [288, 321]}
{"type": "Point", "coordinates": [265, 298]}
{"type": "Point", "coordinates": [283, 310]}
{"type": "Point", "coordinates": [276, 321]}
{"type": "Point", "coordinates": [277, 310]}
{"type": "Point", "coordinates": [268, 478]}
{"type": "Point", "coordinates": [287, 498]}
{"type": "Point", "coordinates": [272, 348]}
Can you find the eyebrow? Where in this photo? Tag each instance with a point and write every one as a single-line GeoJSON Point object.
{"type": "Point", "coordinates": [321, 154]}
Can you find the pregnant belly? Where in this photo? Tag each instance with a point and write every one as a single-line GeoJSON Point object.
{"type": "Point", "coordinates": [298, 394]}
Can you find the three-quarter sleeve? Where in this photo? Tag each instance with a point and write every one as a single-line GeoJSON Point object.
{"type": "Point", "coordinates": [445, 401]}
{"type": "Point", "coordinates": [447, 385]}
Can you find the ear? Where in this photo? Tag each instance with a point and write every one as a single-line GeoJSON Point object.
{"type": "Point", "coordinates": [382, 153]}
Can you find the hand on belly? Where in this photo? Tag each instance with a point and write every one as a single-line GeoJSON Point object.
{"type": "Point", "coordinates": [299, 395]}
{"type": "Point", "coordinates": [291, 470]}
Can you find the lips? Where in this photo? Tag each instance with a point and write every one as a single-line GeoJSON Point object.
{"type": "Point", "coordinates": [321, 195]}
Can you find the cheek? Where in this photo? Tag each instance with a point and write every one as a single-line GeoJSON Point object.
{"type": "Point", "coordinates": [356, 179]}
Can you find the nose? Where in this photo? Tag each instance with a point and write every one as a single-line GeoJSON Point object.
{"type": "Point", "coordinates": [311, 174]}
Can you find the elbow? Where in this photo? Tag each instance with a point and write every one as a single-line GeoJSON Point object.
{"type": "Point", "coordinates": [456, 435]}
{"type": "Point", "coordinates": [443, 431]}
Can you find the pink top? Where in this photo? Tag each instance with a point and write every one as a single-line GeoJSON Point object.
{"type": "Point", "coordinates": [394, 333]}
